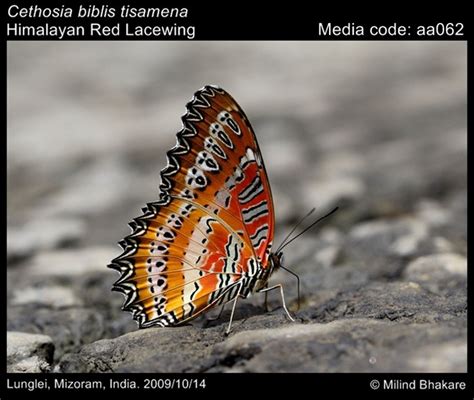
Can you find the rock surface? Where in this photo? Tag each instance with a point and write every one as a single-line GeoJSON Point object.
{"type": "Point", "coordinates": [27, 352]}
{"type": "Point", "coordinates": [69, 328]}
{"type": "Point", "coordinates": [378, 129]}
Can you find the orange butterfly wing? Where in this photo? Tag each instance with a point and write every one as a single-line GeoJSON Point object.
{"type": "Point", "coordinates": [210, 233]}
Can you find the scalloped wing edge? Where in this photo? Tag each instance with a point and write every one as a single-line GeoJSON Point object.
{"type": "Point", "coordinates": [139, 224]}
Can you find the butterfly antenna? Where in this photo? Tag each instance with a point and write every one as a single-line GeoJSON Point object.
{"type": "Point", "coordinates": [294, 228]}
{"type": "Point", "coordinates": [297, 279]}
{"type": "Point", "coordinates": [308, 228]}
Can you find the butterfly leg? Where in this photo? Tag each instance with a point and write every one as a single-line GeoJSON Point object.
{"type": "Point", "coordinates": [265, 301]}
{"type": "Point", "coordinates": [267, 289]}
{"type": "Point", "coordinates": [233, 310]}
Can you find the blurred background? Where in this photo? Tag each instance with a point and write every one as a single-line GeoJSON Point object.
{"type": "Point", "coordinates": [377, 128]}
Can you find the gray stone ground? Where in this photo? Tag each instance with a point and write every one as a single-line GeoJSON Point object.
{"type": "Point", "coordinates": [378, 128]}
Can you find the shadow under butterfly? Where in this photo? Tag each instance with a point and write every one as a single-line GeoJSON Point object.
{"type": "Point", "coordinates": [208, 239]}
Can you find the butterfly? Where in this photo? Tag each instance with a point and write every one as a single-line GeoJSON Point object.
{"type": "Point", "coordinates": [208, 239]}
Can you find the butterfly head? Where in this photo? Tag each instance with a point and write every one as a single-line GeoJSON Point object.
{"type": "Point", "coordinates": [275, 261]}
